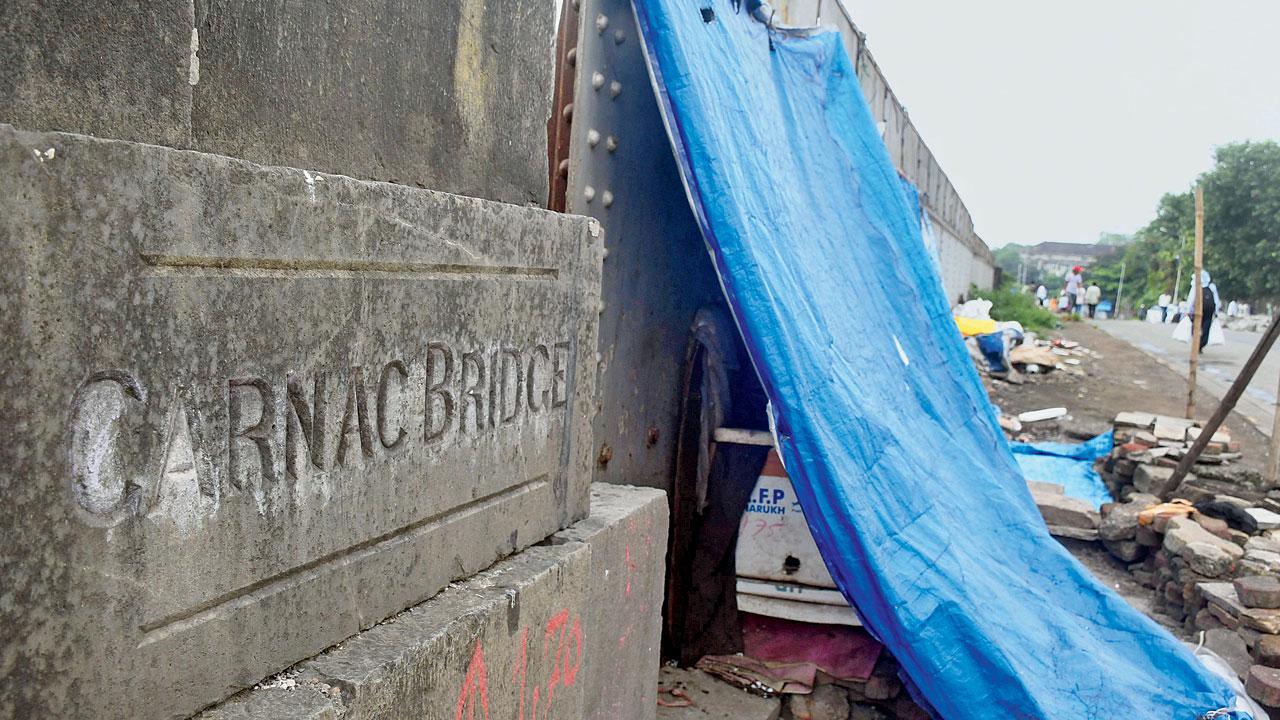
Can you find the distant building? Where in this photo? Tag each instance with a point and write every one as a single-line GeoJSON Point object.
{"type": "Point", "coordinates": [1054, 259]}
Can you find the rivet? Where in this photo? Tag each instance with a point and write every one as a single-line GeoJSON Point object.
{"type": "Point", "coordinates": [572, 57]}
{"type": "Point", "coordinates": [568, 112]}
{"type": "Point", "coordinates": [619, 37]}
{"type": "Point", "coordinates": [597, 81]}
{"type": "Point", "coordinates": [611, 143]}
{"type": "Point", "coordinates": [607, 198]}
{"type": "Point", "coordinates": [589, 193]}
{"type": "Point", "coordinates": [615, 88]}
{"type": "Point", "coordinates": [564, 167]}
{"type": "Point", "coordinates": [593, 137]}
{"type": "Point", "coordinates": [602, 22]}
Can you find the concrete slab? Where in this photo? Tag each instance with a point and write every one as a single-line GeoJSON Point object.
{"type": "Point", "coordinates": [627, 532]}
{"type": "Point", "coordinates": [118, 69]}
{"type": "Point", "coordinates": [445, 94]}
{"type": "Point", "coordinates": [709, 699]}
{"type": "Point", "coordinates": [510, 638]}
{"type": "Point", "coordinates": [255, 410]}
{"type": "Point", "coordinates": [517, 640]}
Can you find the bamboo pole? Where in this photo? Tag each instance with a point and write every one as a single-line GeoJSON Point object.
{"type": "Point", "coordinates": [1198, 308]}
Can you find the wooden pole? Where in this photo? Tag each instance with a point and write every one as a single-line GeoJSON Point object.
{"type": "Point", "coordinates": [1225, 407]}
{"type": "Point", "coordinates": [1120, 292]}
{"type": "Point", "coordinates": [1273, 458]}
{"type": "Point", "coordinates": [1198, 307]}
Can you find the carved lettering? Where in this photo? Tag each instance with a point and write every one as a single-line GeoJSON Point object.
{"type": "Point", "coordinates": [383, 387]}
{"type": "Point", "coordinates": [473, 392]}
{"type": "Point", "coordinates": [355, 418]}
{"type": "Point", "coordinates": [99, 477]}
{"type": "Point", "coordinates": [257, 434]}
{"type": "Point", "coordinates": [493, 389]}
{"type": "Point", "coordinates": [537, 399]}
{"type": "Point", "coordinates": [308, 422]}
{"type": "Point", "coordinates": [559, 365]}
{"type": "Point", "coordinates": [511, 385]}
{"type": "Point", "coordinates": [439, 377]}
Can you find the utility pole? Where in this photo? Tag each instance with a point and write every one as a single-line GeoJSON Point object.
{"type": "Point", "coordinates": [1197, 319]}
{"type": "Point", "coordinates": [1177, 281]}
{"type": "Point", "coordinates": [1120, 290]}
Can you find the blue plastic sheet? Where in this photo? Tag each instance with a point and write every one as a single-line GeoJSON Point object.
{"type": "Point", "coordinates": [1069, 465]}
{"type": "Point", "coordinates": [911, 491]}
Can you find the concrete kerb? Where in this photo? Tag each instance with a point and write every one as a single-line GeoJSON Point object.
{"type": "Point", "coordinates": [569, 627]}
{"type": "Point", "coordinates": [627, 533]}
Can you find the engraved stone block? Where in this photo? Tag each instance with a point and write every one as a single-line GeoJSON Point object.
{"type": "Point", "coordinates": [253, 410]}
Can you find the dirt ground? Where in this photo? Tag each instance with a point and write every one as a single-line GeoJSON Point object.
{"type": "Point", "coordinates": [1121, 378]}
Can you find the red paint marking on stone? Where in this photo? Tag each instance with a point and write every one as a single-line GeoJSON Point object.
{"type": "Point", "coordinates": [521, 667]}
{"type": "Point", "coordinates": [477, 681]}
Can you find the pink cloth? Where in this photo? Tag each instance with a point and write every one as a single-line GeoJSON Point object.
{"type": "Point", "coordinates": [847, 653]}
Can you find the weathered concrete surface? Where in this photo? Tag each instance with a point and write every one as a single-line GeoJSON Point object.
{"type": "Point", "coordinates": [627, 532]}
{"type": "Point", "coordinates": [452, 95]}
{"type": "Point", "coordinates": [115, 69]}
{"type": "Point", "coordinates": [446, 94]}
{"type": "Point", "coordinates": [516, 641]}
{"type": "Point", "coordinates": [250, 415]}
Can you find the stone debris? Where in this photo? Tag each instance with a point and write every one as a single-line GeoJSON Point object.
{"type": "Point", "coordinates": [1266, 650]}
{"type": "Point", "coordinates": [1263, 685]}
{"type": "Point", "coordinates": [1258, 591]}
{"type": "Point", "coordinates": [1066, 516]}
{"type": "Point", "coordinates": [1211, 555]}
{"type": "Point", "coordinates": [691, 694]}
{"type": "Point", "coordinates": [687, 693]}
{"type": "Point", "coordinates": [1266, 519]}
{"type": "Point", "coordinates": [826, 702]}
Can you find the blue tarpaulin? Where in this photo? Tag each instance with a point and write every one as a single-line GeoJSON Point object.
{"type": "Point", "coordinates": [1068, 465]}
{"type": "Point", "coordinates": [911, 491]}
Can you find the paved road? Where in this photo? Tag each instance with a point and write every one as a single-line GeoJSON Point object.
{"type": "Point", "coordinates": [1219, 366]}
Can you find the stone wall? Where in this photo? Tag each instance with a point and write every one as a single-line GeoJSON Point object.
{"type": "Point", "coordinates": [451, 95]}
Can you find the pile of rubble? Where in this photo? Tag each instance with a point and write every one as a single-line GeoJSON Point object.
{"type": "Point", "coordinates": [707, 693]}
{"type": "Point", "coordinates": [1211, 554]}
{"type": "Point", "coordinates": [1012, 355]}
{"type": "Point", "coordinates": [1035, 356]}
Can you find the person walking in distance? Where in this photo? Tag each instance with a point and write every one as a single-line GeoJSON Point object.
{"type": "Point", "coordinates": [1210, 303]}
{"type": "Point", "coordinates": [1092, 297]}
{"type": "Point", "coordinates": [1042, 296]}
{"type": "Point", "coordinates": [1164, 302]}
{"type": "Point", "coordinates": [1074, 281]}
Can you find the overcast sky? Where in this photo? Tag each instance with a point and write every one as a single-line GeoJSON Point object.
{"type": "Point", "coordinates": [1056, 121]}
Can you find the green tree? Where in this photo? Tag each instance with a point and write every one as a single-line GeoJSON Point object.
{"type": "Point", "coordinates": [1242, 234]}
{"type": "Point", "coordinates": [1242, 221]}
